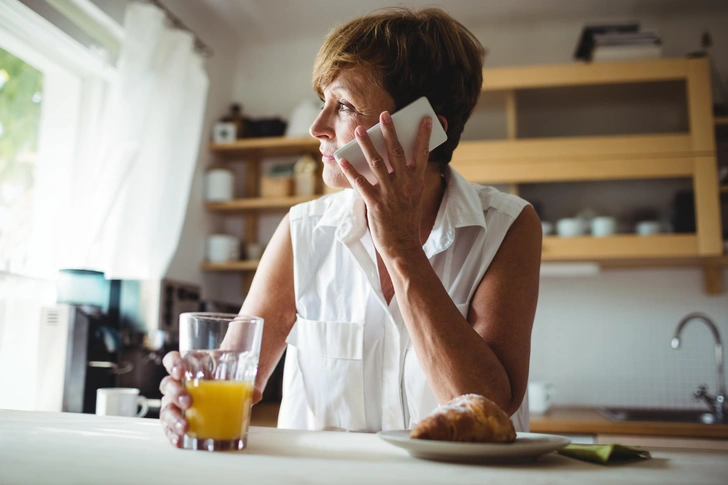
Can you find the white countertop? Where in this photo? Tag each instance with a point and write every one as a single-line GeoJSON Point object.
{"type": "Point", "coordinates": [54, 448]}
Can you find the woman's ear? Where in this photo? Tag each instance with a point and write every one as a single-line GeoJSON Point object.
{"type": "Point", "coordinates": [443, 122]}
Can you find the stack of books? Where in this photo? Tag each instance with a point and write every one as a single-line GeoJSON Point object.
{"type": "Point", "coordinates": [622, 46]}
{"type": "Point", "coordinates": [617, 42]}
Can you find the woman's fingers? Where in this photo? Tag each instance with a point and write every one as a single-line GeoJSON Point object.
{"type": "Point", "coordinates": [175, 399]}
{"type": "Point", "coordinates": [175, 391]}
{"type": "Point", "coordinates": [257, 396]}
{"type": "Point", "coordinates": [357, 180]}
{"type": "Point", "coordinates": [376, 161]}
{"type": "Point", "coordinates": [395, 152]}
{"type": "Point", "coordinates": [173, 363]}
{"type": "Point", "coordinates": [176, 440]}
{"type": "Point", "coordinates": [172, 417]}
{"type": "Point", "coordinates": [173, 422]}
{"type": "Point", "coordinates": [422, 147]}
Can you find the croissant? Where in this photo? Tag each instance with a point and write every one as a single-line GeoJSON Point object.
{"type": "Point", "coordinates": [469, 417]}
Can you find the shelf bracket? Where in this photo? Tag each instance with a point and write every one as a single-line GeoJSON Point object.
{"type": "Point", "coordinates": [511, 115]}
{"type": "Point", "coordinates": [713, 278]}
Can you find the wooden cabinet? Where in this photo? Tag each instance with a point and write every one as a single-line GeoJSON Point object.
{"type": "Point", "coordinates": [251, 151]}
{"type": "Point", "coordinates": [689, 155]}
{"type": "Point", "coordinates": [514, 161]}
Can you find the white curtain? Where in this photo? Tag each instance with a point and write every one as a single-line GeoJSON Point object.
{"type": "Point", "coordinates": [130, 195]}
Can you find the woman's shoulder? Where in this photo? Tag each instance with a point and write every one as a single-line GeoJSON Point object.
{"type": "Point", "coordinates": [488, 198]}
{"type": "Point", "coordinates": [493, 199]}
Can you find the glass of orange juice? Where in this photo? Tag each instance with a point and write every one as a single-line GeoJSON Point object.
{"type": "Point", "coordinates": [220, 356]}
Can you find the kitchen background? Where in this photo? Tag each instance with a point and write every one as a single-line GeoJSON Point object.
{"type": "Point", "coordinates": [601, 339]}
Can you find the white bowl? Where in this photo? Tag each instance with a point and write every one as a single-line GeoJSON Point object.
{"type": "Point", "coordinates": [647, 228]}
{"type": "Point", "coordinates": [570, 227]}
{"type": "Point", "coordinates": [547, 228]}
{"type": "Point", "coordinates": [603, 226]}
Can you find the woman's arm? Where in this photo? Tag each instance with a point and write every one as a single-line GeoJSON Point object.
{"type": "Point", "coordinates": [489, 353]}
{"type": "Point", "coordinates": [272, 297]}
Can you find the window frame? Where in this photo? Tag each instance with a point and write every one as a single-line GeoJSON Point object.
{"type": "Point", "coordinates": [76, 80]}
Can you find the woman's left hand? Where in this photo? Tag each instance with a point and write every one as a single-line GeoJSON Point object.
{"type": "Point", "coordinates": [394, 204]}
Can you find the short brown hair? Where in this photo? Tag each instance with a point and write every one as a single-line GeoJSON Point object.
{"type": "Point", "coordinates": [411, 54]}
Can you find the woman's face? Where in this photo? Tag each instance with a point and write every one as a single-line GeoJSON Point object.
{"type": "Point", "coordinates": [349, 101]}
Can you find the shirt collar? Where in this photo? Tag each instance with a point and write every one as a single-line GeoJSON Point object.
{"type": "Point", "coordinates": [346, 213]}
{"type": "Point", "coordinates": [460, 207]}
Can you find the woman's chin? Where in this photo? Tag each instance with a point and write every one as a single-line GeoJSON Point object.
{"type": "Point", "coordinates": [335, 178]}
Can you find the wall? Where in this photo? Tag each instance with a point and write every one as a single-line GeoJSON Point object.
{"type": "Point", "coordinates": [198, 223]}
{"type": "Point", "coordinates": [602, 339]}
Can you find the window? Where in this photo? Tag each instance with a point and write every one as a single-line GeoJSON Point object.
{"type": "Point", "coordinates": [21, 96]}
{"type": "Point", "coordinates": [51, 93]}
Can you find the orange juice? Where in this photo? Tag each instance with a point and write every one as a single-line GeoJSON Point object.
{"type": "Point", "coordinates": [220, 409]}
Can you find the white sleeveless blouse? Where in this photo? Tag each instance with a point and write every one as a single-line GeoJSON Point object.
{"type": "Point", "coordinates": [350, 364]}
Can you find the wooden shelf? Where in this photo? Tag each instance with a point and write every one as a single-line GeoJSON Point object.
{"type": "Point", "coordinates": [578, 74]}
{"type": "Point", "coordinates": [694, 262]}
{"type": "Point", "coordinates": [572, 159]}
{"type": "Point", "coordinates": [231, 266]}
{"type": "Point", "coordinates": [622, 246]}
{"type": "Point", "coordinates": [579, 148]}
{"type": "Point", "coordinates": [626, 251]}
{"type": "Point", "coordinates": [564, 159]}
{"type": "Point", "coordinates": [258, 204]}
{"type": "Point", "coordinates": [620, 251]}
{"type": "Point", "coordinates": [276, 146]}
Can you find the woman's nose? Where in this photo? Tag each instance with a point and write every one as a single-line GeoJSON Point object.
{"type": "Point", "coordinates": [321, 126]}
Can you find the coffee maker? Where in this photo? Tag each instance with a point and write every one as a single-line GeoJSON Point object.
{"type": "Point", "coordinates": [79, 351]}
{"type": "Point", "coordinates": [107, 333]}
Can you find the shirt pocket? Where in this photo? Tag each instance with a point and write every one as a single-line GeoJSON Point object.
{"type": "Point", "coordinates": [421, 401]}
{"type": "Point", "coordinates": [330, 357]}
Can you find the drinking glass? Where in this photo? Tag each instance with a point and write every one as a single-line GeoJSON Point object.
{"type": "Point", "coordinates": [220, 356]}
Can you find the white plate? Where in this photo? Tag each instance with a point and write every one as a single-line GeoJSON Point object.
{"type": "Point", "coordinates": [527, 447]}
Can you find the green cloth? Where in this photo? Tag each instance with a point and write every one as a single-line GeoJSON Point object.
{"type": "Point", "coordinates": [604, 454]}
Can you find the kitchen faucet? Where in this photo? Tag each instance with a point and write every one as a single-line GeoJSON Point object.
{"type": "Point", "coordinates": [715, 402]}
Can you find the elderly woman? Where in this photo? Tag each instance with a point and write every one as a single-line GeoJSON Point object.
{"type": "Point", "coordinates": [400, 295]}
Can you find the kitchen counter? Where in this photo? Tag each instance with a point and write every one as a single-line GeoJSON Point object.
{"type": "Point", "coordinates": [589, 421]}
{"type": "Point", "coordinates": [87, 449]}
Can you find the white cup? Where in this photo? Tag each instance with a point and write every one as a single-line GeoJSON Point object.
{"type": "Point", "coordinates": [254, 251]}
{"type": "Point", "coordinates": [570, 227]}
{"type": "Point", "coordinates": [547, 228]}
{"type": "Point", "coordinates": [120, 401]}
{"type": "Point", "coordinates": [647, 228]}
{"type": "Point", "coordinates": [539, 396]}
{"type": "Point", "coordinates": [219, 185]}
{"type": "Point", "coordinates": [603, 226]}
{"type": "Point", "coordinates": [222, 248]}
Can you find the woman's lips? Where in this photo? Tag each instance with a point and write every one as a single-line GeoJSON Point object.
{"type": "Point", "coordinates": [326, 158]}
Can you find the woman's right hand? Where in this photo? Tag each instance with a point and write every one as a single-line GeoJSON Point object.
{"type": "Point", "coordinates": [175, 399]}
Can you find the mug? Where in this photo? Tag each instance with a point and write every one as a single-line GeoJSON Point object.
{"type": "Point", "coordinates": [219, 185]}
{"type": "Point", "coordinates": [547, 228]}
{"type": "Point", "coordinates": [254, 251]}
{"type": "Point", "coordinates": [570, 227]}
{"type": "Point", "coordinates": [222, 248]}
{"type": "Point", "coordinates": [603, 226]}
{"type": "Point", "coordinates": [539, 397]}
{"type": "Point", "coordinates": [647, 228]}
{"type": "Point", "coordinates": [120, 401]}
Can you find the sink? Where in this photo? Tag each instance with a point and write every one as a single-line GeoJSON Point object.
{"type": "Point", "coordinates": [658, 415]}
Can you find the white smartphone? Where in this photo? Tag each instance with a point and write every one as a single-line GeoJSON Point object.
{"type": "Point", "coordinates": [406, 123]}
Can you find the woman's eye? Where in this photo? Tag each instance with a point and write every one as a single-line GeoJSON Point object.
{"type": "Point", "coordinates": [346, 107]}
